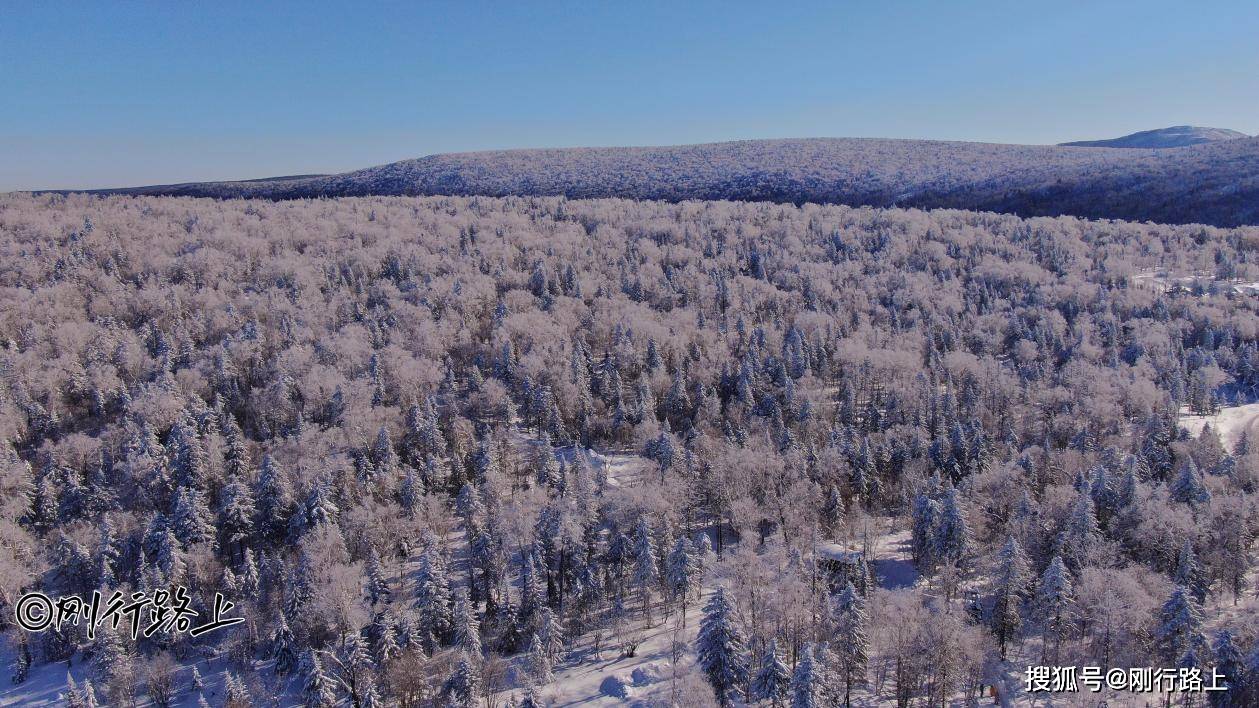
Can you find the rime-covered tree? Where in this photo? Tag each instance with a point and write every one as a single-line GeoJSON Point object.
{"type": "Point", "coordinates": [1188, 487]}
{"type": "Point", "coordinates": [683, 572]}
{"type": "Point", "coordinates": [1011, 582]}
{"type": "Point", "coordinates": [463, 687]}
{"type": "Point", "coordinates": [1179, 628]}
{"type": "Point", "coordinates": [434, 612]}
{"type": "Point", "coordinates": [646, 574]}
{"type": "Point", "coordinates": [318, 688]}
{"type": "Point", "coordinates": [720, 649]}
{"type": "Point", "coordinates": [808, 689]}
{"type": "Point", "coordinates": [1055, 603]}
{"type": "Point", "coordinates": [283, 647]}
{"type": "Point", "coordinates": [467, 628]}
{"type": "Point", "coordinates": [851, 646]}
{"type": "Point", "coordinates": [773, 678]}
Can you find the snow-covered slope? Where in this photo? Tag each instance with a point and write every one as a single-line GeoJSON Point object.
{"type": "Point", "coordinates": [1173, 137]}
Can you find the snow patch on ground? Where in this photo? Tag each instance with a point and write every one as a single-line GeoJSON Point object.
{"type": "Point", "coordinates": [1229, 423]}
{"type": "Point", "coordinates": [892, 561]}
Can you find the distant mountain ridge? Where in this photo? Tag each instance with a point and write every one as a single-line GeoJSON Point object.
{"type": "Point", "coordinates": [1173, 137]}
{"type": "Point", "coordinates": [1214, 183]}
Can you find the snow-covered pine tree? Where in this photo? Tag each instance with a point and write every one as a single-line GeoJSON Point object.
{"type": "Point", "coordinates": [832, 512]}
{"type": "Point", "coordinates": [271, 499]}
{"type": "Point", "coordinates": [318, 690]}
{"type": "Point", "coordinates": [1055, 600]}
{"type": "Point", "coordinates": [369, 695]}
{"type": "Point", "coordinates": [235, 693]}
{"type": "Point", "coordinates": [807, 683]}
{"type": "Point", "coordinates": [72, 696]}
{"type": "Point", "coordinates": [196, 683]}
{"type": "Point", "coordinates": [551, 632]}
{"type": "Point", "coordinates": [720, 649]}
{"type": "Point", "coordinates": [952, 542]}
{"type": "Point", "coordinates": [1079, 539]}
{"type": "Point", "coordinates": [1190, 574]}
{"type": "Point", "coordinates": [463, 688]}
{"type": "Point", "coordinates": [432, 597]}
{"type": "Point", "coordinates": [1227, 660]}
{"type": "Point", "coordinates": [645, 571]}
{"type": "Point", "coordinates": [539, 661]}
{"type": "Point", "coordinates": [773, 679]}
{"type": "Point", "coordinates": [190, 516]}
{"type": "Point", "coordinates": [377, 586]}
{"type": "Point", "coordinates": [1189, 487]}
{"type": "Point", "coordinates": [1179, 625]}
{"type": "Point", "coordinates": [283, 647]}
{"type": "Point", "coordinates": [684, 572]}
{"type": "Point", "coordinates": [851, 646]}
{"type": "Point", "coordinates": [467, 626]}
{"type": "Point", "coordinates": [236, 517]}
{"type": "Point", "coordinates": [1012, 577]}
{"type": "Point", "coordinates": [355, 666]}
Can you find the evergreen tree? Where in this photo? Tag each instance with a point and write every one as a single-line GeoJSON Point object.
{"type": "Point", "coordinates": [283, 647]}
{"type": "Point", "coordinates": [684, 572]}
{"type": "Point", "coordinates": [369, 696]}
{"type": "Point", "coordinates": [852, 646]}
{"type": "Point", "coordinates": [432, 597]}
{"type": "Point", "coordinates": [236, 694]}
{"type": "Point", "coordinates": [190, 517]}
{"type": "Point", "coordinates": [551, 633]}
{"type": "Point", "coordinates": [318, 690]}
{"type": "Point", "coordinates": [1188, 487]}
{"type": "Point", "coordinates": [1055, 599]}
{"type": "Point", "coordinates": [108, 552]}
{"type": "Point", "coordinates": [807, 682]}
{"type": "Point", "coordinates": [1179, 625]}
{"type": "Point", "coordinates": [196, 683]}
{"type": "Point", "coordinates": [72, 696]}
{"type": "Point", "coordinates": [832, 512]}
{"type": "Point", "coordinates": [1081, 535]}
{"type": "Point", "coordinates": [643, 550]}
{"type": "Point", "coordinates": [236, 516]}
{"type": "Point", "coordinates": [467, 626]}
{"type": "Point", "coordinates": [356, 667]}
{"type": "Point", "coordinates": [719, 647]}
{"type": "Point", "coordinates": [272, 495]}
{"type": "Point", "coordinates": [540, 667]}
{"type": "Point", "coordinates": [773, 679]}
{"type": "Point", "coordinates": [952, 537]}
{"type": "Point", "coordinates": [463, 688]}
{"type": "Point", "coordinates": [1011, 579]}
{"type": "Point", "coordinates": [1228, 662]}
{"type": "Point", "coordinates": [377, 585]}
{"type": "Point", "coordinates": [1190, 574]}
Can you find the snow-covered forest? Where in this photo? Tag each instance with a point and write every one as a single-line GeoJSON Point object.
{"type": "Point", "coordinates": [1213, 183]}
{"type": "Point", "coordinates": [475, 451]}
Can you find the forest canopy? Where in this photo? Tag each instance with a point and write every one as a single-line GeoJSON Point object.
{"type": "Point", "coordinates": [430, 446]}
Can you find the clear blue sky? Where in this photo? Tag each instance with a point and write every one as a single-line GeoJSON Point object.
{"type": "Point", "coordinates": [123, 93]}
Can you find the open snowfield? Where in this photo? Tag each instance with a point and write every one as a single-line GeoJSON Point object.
{"type": "Point", "coordinates": [1229, 423]}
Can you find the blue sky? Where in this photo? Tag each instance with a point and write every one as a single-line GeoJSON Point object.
{"type": "Point", "coordinates": [123, 93]}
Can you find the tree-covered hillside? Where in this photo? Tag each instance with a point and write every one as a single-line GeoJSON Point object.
{"type": "Point", "coordinates": [1215, 183]}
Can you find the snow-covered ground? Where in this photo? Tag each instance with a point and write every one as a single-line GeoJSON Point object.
{"type": "Point", "coordinates": [1229, 423]}
{"type": "Point", "coordinates": [663, 663]}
